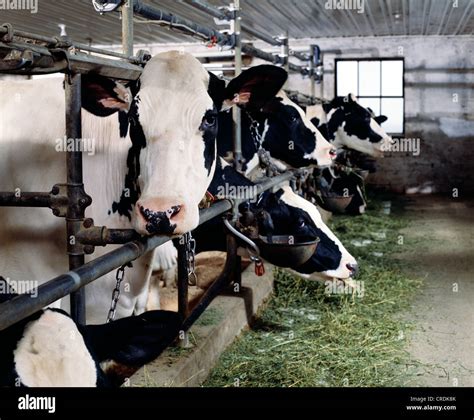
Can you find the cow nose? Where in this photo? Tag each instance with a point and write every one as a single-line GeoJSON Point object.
{"type": "Point", "coordinates": [354, 269]}
{"type": "Point", "coordinates": [159, 221]}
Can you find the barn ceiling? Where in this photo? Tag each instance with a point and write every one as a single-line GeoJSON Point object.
{"type": "Point", "coordinates": [301, 18]}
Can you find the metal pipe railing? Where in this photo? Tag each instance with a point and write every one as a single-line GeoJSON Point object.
{"type": "Point", "coordinates": [177, 22]}
{"type": "Point", "coordinates": [57, 42]}
{"type": "Point", "coordinates": [61, 60]}
{"type": "Point", "coordinates": [227, 15]}
{"type": "Point", "coordinates": [77, 203]}
{"type": "Point", "coordinates": [23, 306]}
{"type": "Point", "coordinates": [127, 29]}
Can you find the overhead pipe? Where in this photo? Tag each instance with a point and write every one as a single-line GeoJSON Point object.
{"type": "Point", "coordinates": [226, 15]}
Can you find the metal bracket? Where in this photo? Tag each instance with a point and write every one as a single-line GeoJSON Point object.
{"type": "Point", "coordinates": [61, 194]}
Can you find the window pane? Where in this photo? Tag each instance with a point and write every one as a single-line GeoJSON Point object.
{"type": "Point", "coordinates": [369, 78]}
{"type": "Point", "coordinates": [346, 78]}
{"type": "Point", "coordinates": [372, 103]}
{"type": "Point", "coordinates": [393, 109]}
{"type": "Point", "coordinates": [392, 78]}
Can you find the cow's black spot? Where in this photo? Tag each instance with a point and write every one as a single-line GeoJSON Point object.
{"type": "Point", "coordinates": [209, 128]}
{"type": "Point", "coordinates": [131, 191]}
{"type": "Point", "coordinates": [216, 90]}
{"type": "Point", "coordinates": [123, 123]}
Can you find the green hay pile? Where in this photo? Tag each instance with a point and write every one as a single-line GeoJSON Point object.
{"type": "Point", "coordinates": [306, 337]}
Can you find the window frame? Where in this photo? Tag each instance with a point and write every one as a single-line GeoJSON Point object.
{"type": "Point", "coordinates": [380, 97]}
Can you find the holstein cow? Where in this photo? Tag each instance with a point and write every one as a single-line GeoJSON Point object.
{"type": "Point", "coordinates": [276, 125]}
{"type": "Point", "coordinates": [155, 150]}
{"type": "Point", "coordinates": [48, 349]}
{"type": "Point", "coordinates": [281, 213]}
{"type": "Point", "coordinates": [270, 121]}
{"type": "Point", "coordinates": [346, 123]}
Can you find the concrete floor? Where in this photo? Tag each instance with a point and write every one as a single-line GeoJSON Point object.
{"type": "Point", "coordinates": [443, 340]}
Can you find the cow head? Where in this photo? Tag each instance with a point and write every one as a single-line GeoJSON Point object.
{"type": "Point", "coordinates": [349, 124]}
{"type": "Point", "coordinates": [287, 133]}
{"type": "Point", "coordinates": [286, 213]}
{"type": "Point", "coordinates": [171, 113]}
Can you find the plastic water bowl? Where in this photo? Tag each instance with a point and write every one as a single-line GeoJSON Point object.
{"type": "Point", "coordinates": [336, 204]}
{"type": "Point", "coordinates": [287, 251]}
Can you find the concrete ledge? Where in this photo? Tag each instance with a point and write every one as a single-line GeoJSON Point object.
{"type": "Point", "coordinates": [222, 322]}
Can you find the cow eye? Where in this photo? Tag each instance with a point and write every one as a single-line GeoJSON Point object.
{"type": "Point", "coordinates": [294, 118]}
{"type": "Point", "coordinates": [209, 121]}
{"type": "Point", "coordinates": [301, 223]}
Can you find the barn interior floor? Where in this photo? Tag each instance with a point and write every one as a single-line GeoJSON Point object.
{"type": "Point", "coordinates": [443, 339]}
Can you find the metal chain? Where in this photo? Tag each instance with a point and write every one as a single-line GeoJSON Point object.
{"type": "Point", "coordinates": [264, 156]}
{"type": "Point", "coordinates": [190, 258]}
{"type": "Point", "coordinates": [255, 132]}
{"type": "Point", "coordinates": [119, 276]}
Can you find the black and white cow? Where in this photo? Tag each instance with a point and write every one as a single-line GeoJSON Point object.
{"type": "Point", "coordinates": [286, 214]}
{"type": "Point", "coordinates": [273, 122]}
{"type": "Point", "coordinates": [48, 349]}
{"type": "Point", "coordinates": [346, 123]}
{"type": "Point", "coordinates": [153, 160]}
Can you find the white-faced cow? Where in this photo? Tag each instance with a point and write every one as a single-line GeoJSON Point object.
{"type": "Point", "coordinates": [155, 149]}
{"type": "Point", "coordinates": [280, 213]}
{"type": "Point", "coordinates": [346, 123]}
{"type": "Point", "coordinates": [47, 349]}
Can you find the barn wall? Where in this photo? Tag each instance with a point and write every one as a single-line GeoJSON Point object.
{"type": "Point", "coordinates": [439, 106]}
{"type": "Point", "coordinates": [439, 103]}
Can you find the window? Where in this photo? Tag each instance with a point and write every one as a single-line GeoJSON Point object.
{"type": "Point", "coordinates": [378, 84]}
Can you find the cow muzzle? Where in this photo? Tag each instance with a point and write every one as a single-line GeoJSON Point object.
{"type": "Point", "coordinates": [157, 217]}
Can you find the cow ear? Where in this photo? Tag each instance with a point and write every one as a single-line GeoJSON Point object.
{"type": "Point", "coordinates": [380, 119]}
{"type": "Point", "coordinates": [216, 90]}
{"type": "Point", "coordinates": [255, 86]}
{"type": "Point", "coordinates": [350, 99]}
{"type": "Point", "coordinates": [102, 96]}
{"type": "Point", "coordinates": [131, 342]}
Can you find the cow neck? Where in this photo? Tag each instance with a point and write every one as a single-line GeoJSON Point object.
{"type": "Point", "coordinates": [332, 124]}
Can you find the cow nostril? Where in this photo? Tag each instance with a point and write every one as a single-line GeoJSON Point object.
{"type": "Point", "coordinates": [353, 268]}
{"type": "Point", "coordinates": [173, 211]}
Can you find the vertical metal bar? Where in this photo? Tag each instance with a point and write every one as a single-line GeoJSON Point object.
{"type": "Point", "coordinates": [312, 72]}
{"type": "Point", "coordinates": [236, 112]}
{"type": "Point", "coordinates": [127, 27]}
{"type": "Point", "coordinates": [183, 285]}
{"type": "Point", "coordinates": [182, 277]}
{"type": "Point", "coordinates": [285, 51]}
{"type": "Point", "coordinates": [75, 211]}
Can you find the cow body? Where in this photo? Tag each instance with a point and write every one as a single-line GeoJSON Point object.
{"type": "Point", "coordinates": [48, 349]}
{"type": "Point", "coordinates": [33, 240]}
